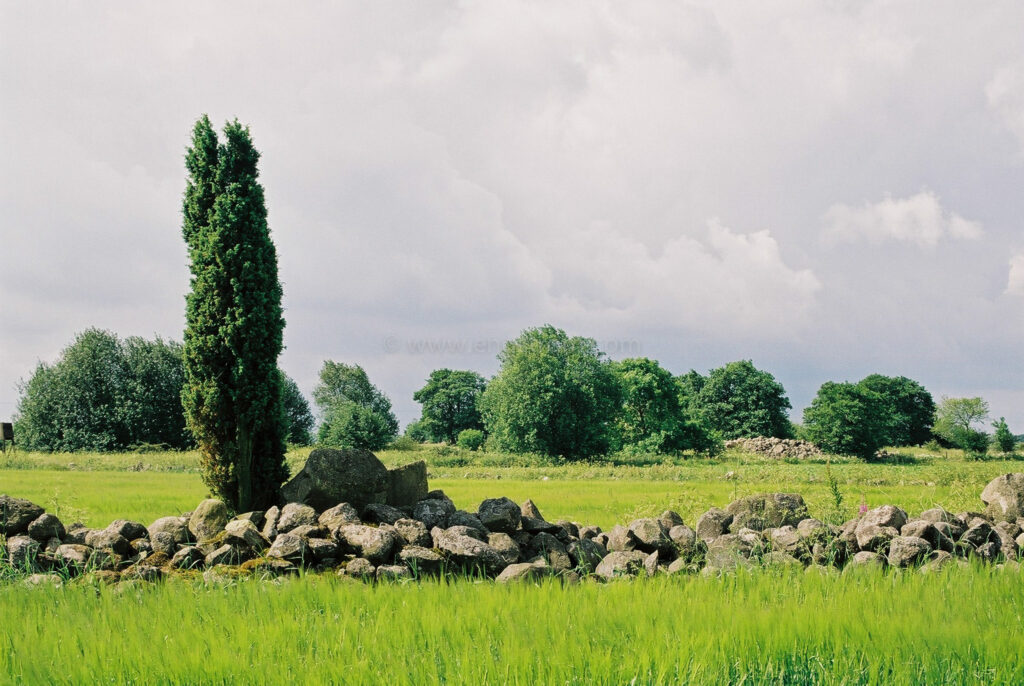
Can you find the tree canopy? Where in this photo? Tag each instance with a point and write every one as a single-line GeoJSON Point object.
{"type": "Point", "coordinates": [554, 394]}
{"type": "Point", "coordinates": [848, 419]}
{"type": "Point", "coordinates": [449, 400]}
{"type": "Point", "coordinates": [910, 407]}
{"type": "Point", "coordinates": [234, 321]}
{"type": "Point", "coordinates": [739, 400]}
{"type": "Point", "coordinates": [356, 414]}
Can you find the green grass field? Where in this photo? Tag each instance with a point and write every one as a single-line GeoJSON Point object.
{"type": "Point", "coordinates": [960, 626]}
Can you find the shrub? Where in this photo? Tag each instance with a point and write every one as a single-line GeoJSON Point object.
{"type": "Point", "coordinates": [1004, 440]}
{"type": "Point", "coordinates": [404, 443]}
{"type": "Point", "coordinates": [471, 439]}
{"type": "Point", "coordinates": [349, 425]}
{"type": "Point", "coordinates": [847, 419]}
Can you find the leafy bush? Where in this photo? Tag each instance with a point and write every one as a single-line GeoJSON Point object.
{"type": "Point", "coordinates": [956, 421]}
{"type": "Point", "coordinates": [349, 425]}
{"type": "Point", "coordinates": [343, 386]}
{"type": "Point", "coordinates": [847, 419]}
{"type": "Point", "coordinates": [471, 439]}
{"type": "Point", "coordinates": [1003, 438]}
{"type": "Point", "coordinates": [417, 431]}
{"type": "Point", "coordinates": [404, 443]}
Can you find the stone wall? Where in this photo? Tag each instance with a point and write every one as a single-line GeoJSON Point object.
{"type": "Point", "coordinates": [504, 540]}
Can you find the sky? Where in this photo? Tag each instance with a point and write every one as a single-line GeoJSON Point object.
{"type": "Point", "coordinates": [830, 189]}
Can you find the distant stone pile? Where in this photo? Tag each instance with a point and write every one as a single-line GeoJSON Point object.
{"type": "Point", "coordinates": [501, 540]}
{"type": "Point", "coordinates": [775, 447]}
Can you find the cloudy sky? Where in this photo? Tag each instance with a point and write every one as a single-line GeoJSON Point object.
{"type": "Point", "coordinates": [830, 189]}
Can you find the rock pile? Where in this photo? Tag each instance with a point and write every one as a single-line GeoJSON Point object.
{"type": "Point", "coordinates": [775, 447]}
{"type": "Point", "coordinates": [505, 540]}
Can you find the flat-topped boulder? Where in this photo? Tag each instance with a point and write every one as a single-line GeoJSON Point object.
{"type": "Point", "coordinates": [334, 476]}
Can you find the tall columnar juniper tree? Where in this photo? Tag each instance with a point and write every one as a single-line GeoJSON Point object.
{"type": "Point", "coordinates": [234, 321]}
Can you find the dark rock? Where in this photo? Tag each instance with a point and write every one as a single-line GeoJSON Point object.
{"type": "Point", "coordinates": [208, 519]}
{"type": "Point", "coordinates": [294, 515]}
{"type": "Point", "coordinates": [537, 526]}
{"type": "Point", "coordinates": [128, 529]}
{"type": "Point", "coordinates": [621, 563]}
{"type": "Point", "coordinates": [434, 511]}
{"type": "Point", "coordinates": [46, 526]}
{"type": "Point", "coordinates": [376, 544]}
{"type": "Point", "coordinates": [421, 560]}
{"type": "Point", "coordinates": [1004, 497]}
{"type": "Point", "coordinates": [770, 510]}
{"type": "Point", "coordinates": [463, 518]}
{"type": "Point", "coordinates": [189, 557]}
{"type": "Point", "coordinates": [550, 549]}
{"type": "Point", "coordinates": [339, 476]}
{"type": "Point", "coordinates": [407, 485]}
{"type": "Point", "coordinates": [712, 524]}
{"type": "Point", "coordinates": [905, 551]}
{"type": "Point", "coordinates": [499, 514]}
{"type": "Point", "coordinates": [570, 530]}
{"type": "Point", "coordinates": [379, 513]}
{"type": "Point", "coordinates": [414, 532]}
{"type": "Point", "coordinates": [142, 546]}
{"type": "Point", "coordinates": [979, 533]}
{"type": "Point", "coordinates": [16, 514]}
{"type": "Point", "coordinates": [108, 540]}
{"type": "Point", "coordinates": [586, 554]}
{"type": "Point", "coordinates": [506, 547]}
{"type": "Point", "coordinates": [77, 534]}
{"type": "Point", "coordinates": [987, 551]}
{"type": "Point", "coordinates": [589, 531]}
{"type": "Point", "coordinates": [322, 548]}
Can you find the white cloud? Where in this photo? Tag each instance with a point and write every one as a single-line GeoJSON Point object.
{"type": "Point", "coordinates": [1015, 280]}
{"type": "Point", "coordinates": [1005, 94]}
{"type": "Point", "coordinates": [918, 219]}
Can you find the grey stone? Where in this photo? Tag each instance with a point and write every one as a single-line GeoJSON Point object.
{"type": "Point", "coordinates": [468, 552]}
{"type": "Point", "coordinates": [46, 526]}
{"type": "Point", "coordinates": [812, 529]}
{"type": "Point", "coordinates": [414, 532]}
{"type": "Point", "coordinates": [16, 514]}
{"type": "Point", "coordinates": [506, 547]}
{"type": "Point", "coordinates": [339, 476]}
{"type": "Point", "coordinates": [729, 551]}
{"type": "Point", "coordinates": [22, 552]}
{"type": "Point", "coordinates": [422, 561]}
{"type": "Point", "coordinates": [879, 526]}
{"type": "Point", "coordinates": [338, 516]}
{"type": "Point", "coordinates": [1004, 497]}
{"type": "Point", "coordinates": [289, 547]}
{"type": "Point", "coordinates": [621, 563]}
{"type": "Point", "coordinates": [242, 532]}
{"type": "Point", "coordinates": [407, 485]}
{"type": "Point", "coordinates": [257, 517]}
{"type": "Point", "coordinates": [208, 519]}
{"type": "Point", "coordinates": [393, 573]}
{"type": "Point", "coordinates": [621, 539]}
{"type": "Point", "coordinates": [669, 519]}
{"type": "Point", "coordinates": [37, 580]}
{"type": "Point", "coordinates": [651, 563]}
{"type": "Point", "coordinates": [376, 544]}
{"type": "Point", "coordinates": [760, 512]}
{"type": "Point", "coordinates": [322, 548]}
{"type": "Point", "coordinates": [463, 518]}
{"type": "Point", "coordinates": [499, 514]}
{"type": "Point", "coordinates": [360, 567]}
{"type": "Point", "coordinates": [163, 542]}
{"type": "Point", "coordinates": [226, 554]}
{"type": "Point", "coordinates": [938, 560]}
{"type": "Point", "coordinates": [77, 534]}
{"type": "Point", "coordinates": [529, 509]}
{"type": "Point", "coordinates": [294, 515]}
{"type": "Point", "coordinates": [937, 514]}
{"type": "Point", "coordinates": [778, 558]}
{"type": "Point", "coordinates": [867, 558]}
{"type": "Point", "coordinates": [651, 535]}
{"type": "Point", "coordinates": [684, 538]}
{"type": "Point", "coordinates": [521, 571]}
{"type": "Point", "coordinates": [712, 524]}
{"type": "Point", "coordinates": [175, 527]}
{"type": "Point", "coordinates": [787, 539]}
{"type": "Point", "coordinates": [979, 533]}
{"type": "Point", "coordinates": [433, 511]}
{"type": "Point", "coordinates": [311, 531]}
{"type": "Point", "coordinates": [550, 549]}
{"type": "Point", "coordinates": [270, 518]}
{"type": "Point", "coordinates": [589, 531]}
{"type": "Point", "coordinates": [905, 551]}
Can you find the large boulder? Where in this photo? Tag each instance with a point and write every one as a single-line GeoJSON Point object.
{"type": "Point", "coordinates": [127, 528]}
{"type": "Point", "coordinates": [766, 511]}
{"type": "Point", "coordinates": [407, 485]}
{"type": "Point", "coordinates": [376, 544]}
{"type": "Point", "coordinates": [499, 514]}
{"type": "Point", "coordinates": [208, 519]}
{"type": "Point", "coordinates": [1004, 497]}
{"type": "Point", "coordinates": [434, 512]}
{"type": "Point", "coordinates": [334, 476]}
{"type": "Point", "coordinates": [16, 514]}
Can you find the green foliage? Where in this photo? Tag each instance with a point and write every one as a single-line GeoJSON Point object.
{"type": "Point", "coordinates": [104, 394]}
{"type": "Point", "coordinates": [356, 414]}
{"type": "Point", "coordinates": [234, 322]}
{"type": "Point", "coordinates": [739, 401]}
{"type": "Point", "coordinates": [1003, 438]}
{"type": "Point", "coordinates": [405, 444]}
{"type": "Point", "coordinates": [298, 417]}
{"type": "Point", "coordinates": [449, 401]}
{"type": "Point", "coordinates": [847, 419]}
{"type": "Point", "coordinates": [652, 418]}
{"type": "Point", "coordinates": [910, 406]}
{"type": "Point", "coordinates": [956, 421]}
{"type": "Point", "coordinates": [471, 439]}
{"type": "Point", "coordinates": [417, 431]}
{"type": "Point", "coordinates": [348, 425]}
{"type": "Point", "coordinates": [553, 395]}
